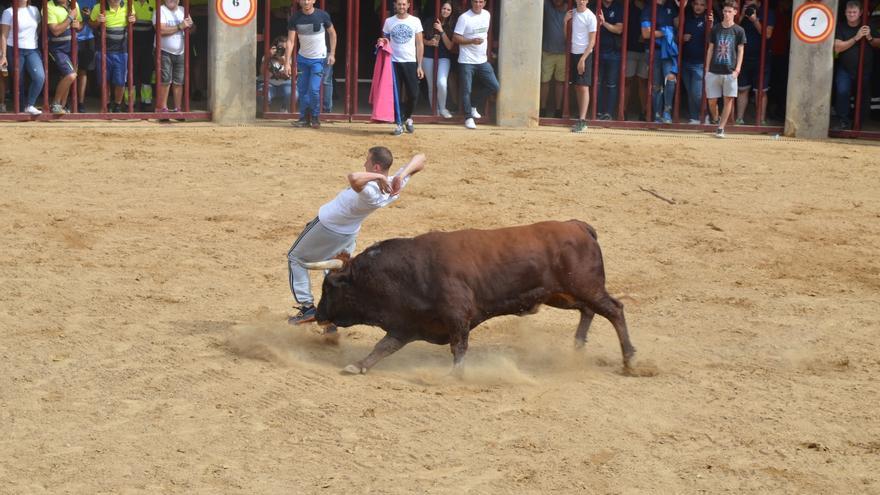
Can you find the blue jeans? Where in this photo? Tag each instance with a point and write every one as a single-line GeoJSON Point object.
{"type": "Point", "coordinates": [664, 90]}
{"type": "Point", "coordinates": [275, 92]}
{"type": "Point", "coordinates": [29, 62]}
{"type": "Point", "coordinates": [692, 78]}
{"type": "Point", "coordinates": [488, 85]}
{"type": "Point", "coordinates": [327, 102]}
{"type": "Point", "coordinates": [844, 89]}
{"type": "Point", "coordinates": [308, 84]}
{"type": "Point", "coordinates": [609, 78]}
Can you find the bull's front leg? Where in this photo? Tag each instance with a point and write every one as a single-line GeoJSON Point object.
{"type": "Point", "coordinates": [458, 343]}
{"type": "Point", "coordinates": [384, 348]}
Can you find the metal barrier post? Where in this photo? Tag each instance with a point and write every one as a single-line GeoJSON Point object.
{"type": "Point", "coordinates": [681, 20]}
{"type": "Point", "coordinates": [74, 58]}
{"type": "Point", "coordinates": [130, 65]}
{"type": "Point", "coordinates": [621, 95]}
{"type": "Point", "coordinates": [103, 12]}
{"type": "Point", "coordinates": [595, 55]}
{"type": "Point", "coordinates": [759, 92]}
{"type": "Point", "coordinates": [651, 49]}
{"type": "Point", "coordinates": [44, 38]}
{"type": "Point", "coordinates": [857, 118]}
{"type": "Point", "coordinates": [709, 23]}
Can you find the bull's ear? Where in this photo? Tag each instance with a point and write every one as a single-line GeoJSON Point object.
{"type": "Point", "coordinates": [339, 278]}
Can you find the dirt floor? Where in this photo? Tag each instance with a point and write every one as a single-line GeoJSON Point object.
{"type": "Point", "coordinates": [145, 349]}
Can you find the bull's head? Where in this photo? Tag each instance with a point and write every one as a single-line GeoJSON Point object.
{"type": "Point", "coordinates": [339, 302]}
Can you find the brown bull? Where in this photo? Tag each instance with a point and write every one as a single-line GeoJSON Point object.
{"type": "Point", "coordinates": [438, 286]}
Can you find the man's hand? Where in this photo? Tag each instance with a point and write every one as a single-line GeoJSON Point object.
{"type": "Point", "coordinates": [331, 59]}
{"type": "Point", "coordinates": [567, 16]}
{"type": "Point", "coordinates": [420, 73]}
{"type": "Point", "coordinates": [582, 66]}
{"type": "Point", "coordinates": [686, 37]}
{"type": "Point", "coordinates": [187, 22]}
{"type": "Point", "coordinates": [286, 69]}
{"type": "Point", "coordinates": [384, 186]}
{"type": "Point", "coordinates": [710, 17]}
{"type": "Point", "coordinates": [601, 18]}
{"type": "Point", "coordinates": [132, 19]}
{"type": "Point", "coordinates": [477, 41]}
{"type": "Point", "coordinates": [863, 32]}
{"type": "Point", "coordinates": [735, 73]}
{"type": "Point", "coordinates": [102, 18]}
{"type": "Point", "coordinates": [75, 25]}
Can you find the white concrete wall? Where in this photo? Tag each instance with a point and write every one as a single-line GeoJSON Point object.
{"type": "Point", "coordinates": [232, 77]}
{"type": "Point", "coordinates": [519, 62]}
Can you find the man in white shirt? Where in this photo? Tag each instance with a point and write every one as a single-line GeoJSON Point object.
{"type": "Point", "coordinates": [583, 39]}
{"type": "Point", "coordinates": [336, 227]}
{"type": "Point", "coordinates": [471, 32]}
{"type": "Point", "coordinates": [174, 23]}
{"type": "Point", "coordinates": [404, 32]}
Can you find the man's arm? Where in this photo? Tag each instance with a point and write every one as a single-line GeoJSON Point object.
{"type": "Point", "coordinates": [331, 56]}
{"type": "Point", "coordinates": [359, 180]}
{"type": "Point", "coordinates": [740, 49]}
{"type": "Point", "coordinates": [415, 165]}
{"type": "Point", "coordinates": [709, 49]}
{"type": "Point", "coordinates": [420, 55]}
{"type": "Point", "coordinates": [289, 47]}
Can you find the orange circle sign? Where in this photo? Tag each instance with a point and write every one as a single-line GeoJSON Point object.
{"type": "Point", "coordinates": [236, 12]}
{"type": "Point", "coordinates": [813, 22]}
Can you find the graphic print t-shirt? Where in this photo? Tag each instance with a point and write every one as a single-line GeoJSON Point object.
{"type": "Point", "coordinates": [402, 33]}
{"type": "Point", "coordinates": [311, 29]}
{"type": "Point", "coordinates": [725, 41]}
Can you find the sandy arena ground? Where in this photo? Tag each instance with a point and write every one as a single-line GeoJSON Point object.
{"type": "Point", "coordinates": [145, 349]}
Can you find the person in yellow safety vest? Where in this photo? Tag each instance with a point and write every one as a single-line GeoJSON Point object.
{"type": "Point", "coordinates": [63, 23]}
{"type": "Point", "coordinates": [116, 23]}
{"type": "Point", "coordinates": [142, 54]}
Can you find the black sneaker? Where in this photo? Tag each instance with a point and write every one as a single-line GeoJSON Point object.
{"type": "Point", "coordinates": [81, 107]}
{"type": "Point", "coordinates": [306, 314]}
{"type": "Point", "coordinates": [305, 121]}
{"type": "Point", "coordinates": [316, 122]}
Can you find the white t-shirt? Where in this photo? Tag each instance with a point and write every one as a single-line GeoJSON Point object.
{"type": "Point", "coordinates": [471, 26]}
{"type": "Point", "coordinates": [402, 33]}
{"type": "Point", "coordinates": [582, 24]}
{"type": "Point", "coordinates": [172, 44]}
{"type": "Point", "coordinates": [28, 25]}
{"type": "Point", "coordinates": [348, 210]}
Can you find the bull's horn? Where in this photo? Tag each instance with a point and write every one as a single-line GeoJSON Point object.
{"type": "Point", "coordinates": [333, 264]}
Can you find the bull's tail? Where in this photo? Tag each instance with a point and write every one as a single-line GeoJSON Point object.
{"type": "Point", "coordinates": [588, 228]}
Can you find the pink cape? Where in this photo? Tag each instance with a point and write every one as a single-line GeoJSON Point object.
{"type": "Point", "coordinates": [382, 91]}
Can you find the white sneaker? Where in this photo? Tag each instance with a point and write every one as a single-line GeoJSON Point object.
{"type": "Point", "coordinates": [33, 110]}
{"type": "Point", "coordinates": [694, 121]}
{"type": "Point", "coordinates": [469, 123]}
{"type": "Point", "coordinates": [445, 114]}
{"type": "Point", "coordinates": [475, 114]}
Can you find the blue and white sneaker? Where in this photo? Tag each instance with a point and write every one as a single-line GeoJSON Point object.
{"type": "Point", "coordinates": [306, 315]}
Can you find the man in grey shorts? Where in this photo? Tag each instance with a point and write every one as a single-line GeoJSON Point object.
{"type": "Point", "coordinates": [174, 23]}
{"type": "Point", "coordinates": [336, 227]}
{"type": "Point", "coordinates": [724, 59]}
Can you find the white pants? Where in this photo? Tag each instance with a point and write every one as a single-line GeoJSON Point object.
{"type": "Point", "coordinates": [315, 243]}
{"type": "Point", "coordinates": [442, 80]}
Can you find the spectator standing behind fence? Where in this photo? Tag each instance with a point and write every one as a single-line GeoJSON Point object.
{"type": "Point", "coordinates": [724, 58]}
{"type": "Point", "coordinates": [440, 44]}
{"type": "Point", "coordinates": [693, 55]}
{"type": "Point", "coordinates": [142, 53]}
{"type": "Point", "coordinates": [62, 23]}
{"type": "Point", "coordinates": [850, 32]}
{"type": "Point", "coordinates": [753, 23]}
{"type": "Point", "coordinates": [636, 60]}
{"type": "Point", "coordinates": [583, 39]}
{"type": "Point", "coordinates": [175, 22]}
{"type": "Point", "coordinates": [665, 57]}
{"type": "Point", "coordinates": [553, 56]}
{"type": "Point", "coordinates": [85, 53]}
{"type": "Point", "coordinates": [471, 33]}
{"type": "Point", "coordinates": [279, 81]}
{"type": "Point", "coordinates": [314, 29]}
{"type": "Point", "coordinates": [407, 51]}
{"type": "Point", "coordinates": [29, 60]}
{"type": "Point", "coordinates": [116, 22]}
{"type": "Point", "coordinates": [610, 19]}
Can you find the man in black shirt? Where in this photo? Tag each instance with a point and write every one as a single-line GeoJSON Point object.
{"type": "Point", "coordinates": [847, 39]}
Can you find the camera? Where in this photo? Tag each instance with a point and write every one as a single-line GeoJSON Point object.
{"type": "Point", "coordinates": [750, 11]}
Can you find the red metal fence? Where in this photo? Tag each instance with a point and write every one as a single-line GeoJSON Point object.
{"type": "Point", "coordinates": [73, 104]}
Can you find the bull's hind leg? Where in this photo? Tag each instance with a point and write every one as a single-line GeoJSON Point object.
{"type": "Point", "coordinates": [384, 348]}
{"type": "Point", "coordinates": [580, 337]}
{"type": "Point", "coordinates": [458, 343]}
{"type": "Point", "coordinates": [612, 309]}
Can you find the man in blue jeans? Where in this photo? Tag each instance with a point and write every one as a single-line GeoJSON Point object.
{"type": "Point", "coordinates": [693, 54]}
{"type": "Point", "coordinates": [471, 32]}
{"type": "Point", "coordinates": [665, 57]}
{"type": "Point", "coordinates": [610, 18]}
{"type": "Point", "coordinates": [314, 29]}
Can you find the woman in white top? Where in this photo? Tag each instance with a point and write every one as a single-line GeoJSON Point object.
{"type": "Point", "coordinates": [29, 60]}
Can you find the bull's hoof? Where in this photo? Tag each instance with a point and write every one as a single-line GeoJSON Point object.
{"type": "Point", "coordinates": [353, 369]}
{"type": "Point", "coordinates": [330, 338]}
{"type": "Point", "coordinates": [579, 344]}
